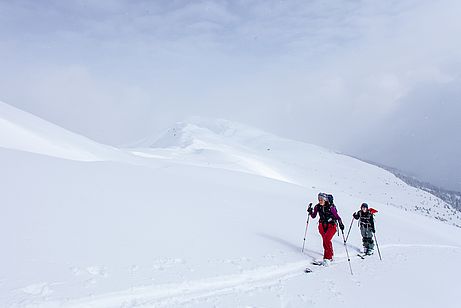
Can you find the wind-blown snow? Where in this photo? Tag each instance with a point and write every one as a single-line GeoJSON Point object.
{"type": "Point", "coordinates": [209, 214]}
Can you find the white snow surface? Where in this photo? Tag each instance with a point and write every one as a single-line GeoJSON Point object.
{"type": "Point", "coordinates": [209, 214]}
{"type": "Point", "coordinates": [23, 131]}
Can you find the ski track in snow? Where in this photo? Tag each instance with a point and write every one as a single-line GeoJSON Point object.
{"type": "Point", "coordinates": [181, 293]}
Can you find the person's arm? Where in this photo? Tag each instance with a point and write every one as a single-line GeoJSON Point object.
{"type": "Point", "coordinates": [314, 211]}
{"type": "Point", "coordinates": [372, 222]}
{"type": "Point", "coordinates": [335, 214]}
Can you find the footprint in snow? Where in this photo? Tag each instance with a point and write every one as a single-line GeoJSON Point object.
{"type": "Point", "coordinates": [162, 264]}
{"type": "Point", "coordinates": [76, 271]}
{"type": "Point", "coordinates": [90, 282]}
{"type": "Point", "coordinates": [38, 289]}
{"type": "Point", "coordinates": [133, 269]}
{"type": "Point", "coordinates": [97, 271]}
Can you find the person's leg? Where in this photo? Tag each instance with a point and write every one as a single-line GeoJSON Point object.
{"type": "Point", "coordinates": [322, 233]}
{"type": "Point", "coordinates": [363, 232]}
{"type": "Point", "coordinates": [327, 244]}
{"type": "Point", "coordinates": [369, 240]}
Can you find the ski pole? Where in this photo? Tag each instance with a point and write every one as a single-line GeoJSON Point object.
{"type": "Point", "coordinates": [307, 224]}
{"type": "Point", "coordinates": [377, 246]}
{"type": "Point", "coordinates": [347, 253]}
{"type": "Point", "coordinates": [352, 221]}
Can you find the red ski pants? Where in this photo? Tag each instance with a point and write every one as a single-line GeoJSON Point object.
{"type": "Point", "coordinates": [327, 234]}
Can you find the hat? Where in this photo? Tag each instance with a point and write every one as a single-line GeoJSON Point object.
{"type": "Point", "coordinates": [323, 196]}
{"type": "Point", "coordinates": [364, 205]}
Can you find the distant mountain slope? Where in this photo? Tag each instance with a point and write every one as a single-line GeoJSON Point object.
{"type": "Point", "coordinates": [233, 146]}
{"type": "Point", "coordinates": [23, 131]}
{"type": "Point", "coordinates": [222, 144]}
{"type": "Point", "coordinates": [449, 196]}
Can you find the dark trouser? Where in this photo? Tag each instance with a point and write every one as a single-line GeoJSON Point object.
{"type": "Point", "coordinates": [367, 238]}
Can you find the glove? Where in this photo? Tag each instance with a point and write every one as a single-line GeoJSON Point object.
{"type": "Point", "coordinates": [341, 225]}
{"type": "Point", "coordinates": [309, 209]}
{"type": "Point", "coordinates": [373, 230]}
{"type": "Point", "coordinates": [356, 215]}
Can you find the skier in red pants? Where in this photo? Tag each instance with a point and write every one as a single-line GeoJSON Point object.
{"type": "Point", "coordinates": [327, 223]}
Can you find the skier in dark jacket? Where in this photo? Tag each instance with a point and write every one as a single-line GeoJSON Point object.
{"type": "Point", "coordinates": [327, 223]}
{"type": "Point", "coordinates": [367, 228]}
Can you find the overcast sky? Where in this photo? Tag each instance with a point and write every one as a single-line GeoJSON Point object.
{"type": "Point", "coordinates": [376, 79]}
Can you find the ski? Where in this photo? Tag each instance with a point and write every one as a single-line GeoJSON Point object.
{"type": "Point", "coordinates": [318, 263]}
{"type": "Point", "coordinates": [307, 270]}
{"type": "Point", "coordinates": [363, 255]}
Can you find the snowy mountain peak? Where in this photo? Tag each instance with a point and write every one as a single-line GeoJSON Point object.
{"type": "Point", "coordinates": [200, 131]}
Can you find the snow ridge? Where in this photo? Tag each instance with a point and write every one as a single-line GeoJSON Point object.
{"type": "Point", "coordinates": [23, 131]}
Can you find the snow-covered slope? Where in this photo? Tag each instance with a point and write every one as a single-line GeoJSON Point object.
{"type": "Point", "coordinates": [226, 145]}
{"type": "Point", "coordinates": [210, 214]}
{"type": "Point", "coordinates": [23, 131]}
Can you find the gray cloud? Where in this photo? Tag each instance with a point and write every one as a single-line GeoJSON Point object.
{"type": "Point", "coordinates": [422, 136]}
